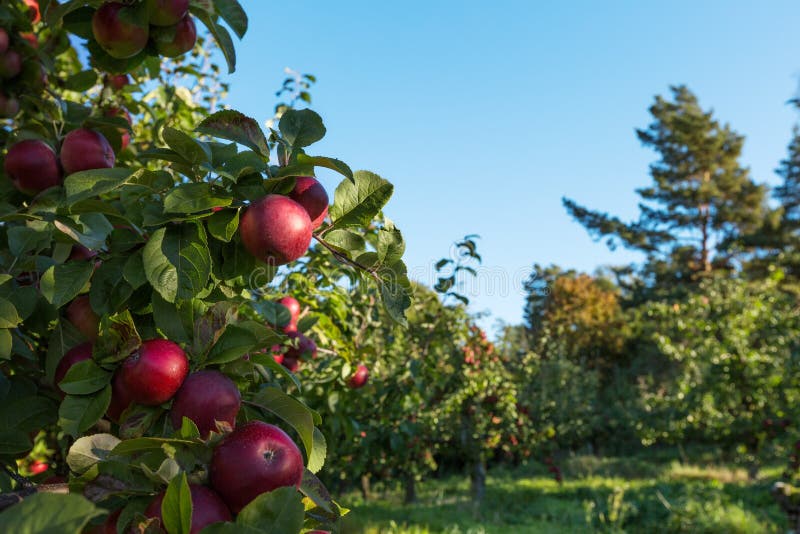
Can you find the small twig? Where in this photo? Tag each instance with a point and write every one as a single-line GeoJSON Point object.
{"type": "Point", "coordinates": [344, 259]}
{"type": "Point", "coordinates": [19, 479]}
{"type": "Point", "coordinates": [10, 499]}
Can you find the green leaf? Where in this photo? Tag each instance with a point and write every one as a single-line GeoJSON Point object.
{"type": "Point", "coordinates": [190, 149]}
{"type": "Point", "coordinates": [62, 283]}
{"type": "Point", "coordinates": [89, 450]}
{"type": "Point", "coordinates": [78, 414]}
{"type": "Point", "coordinates": [234, 343]}
{"type": "Point", "coordinates": [109, 290]}
{"type": "Point", "coordinates": [85, 377]}
{"type": "Point", "coordinates": [193, 198]}
{"type": "Point", "coordinates": [9, 318]}
{"type": "Point", "coordinates": [14, 443]}
{"type": "Point", "coordinates": [232, 13]}
{"type": "Point", "coordinates": [396, 299]}
{"type": "Point", "coordinates": [6, 344]}
{"type": "Point", "coordinates": [134, 446]}
{"type": "Point", "coordinates": [390, 246]}
{"type": "Point", "coordinates": [346, 241]}
{"type": "Point", "coordinates": [23, 239]}
{"type": "Point", "coordinates": [301, 127]}
{"type": "Point", "coordinates": [81, 81]}
{"type": "Point", "coordinates": [314, 489]}
{"type": "Point", "coordinates": [27, 413]}
{"type": "Point", "coordinates": [318, 453]}
{"type": "Point", "coordinates": [357, 203]}
{"type": "Point", "coordinates": [294, 412]}
{"type": "Point", "coordinates": [49, 513]}
{"type": "Point", "coordinates": [223, 224]}
{"type": "Point", "coordinates": [329, 163]}
{"type": "Point", "coordinates": [222, 36]}
{"type": "Point", "coordinates": [177, 261]}
{"type": "Point", "coordinates": [235, 126]}
{"type": "Point", "coordinates": [86, 184]}
{"type": "Point", "coordinates": [133, 271]}
{"type": "Point", "coordinates": [277, 512]}
{"type": "Point", "coordinates": [176, 508]}
{"type": "Point", "coordinates": [118, 338]}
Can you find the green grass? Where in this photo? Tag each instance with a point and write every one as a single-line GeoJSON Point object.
{"type": "Point", "coordinates": [598, 495]}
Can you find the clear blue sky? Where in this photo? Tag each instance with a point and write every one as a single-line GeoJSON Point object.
{"type": "Point", "coordinates": [484, 114]}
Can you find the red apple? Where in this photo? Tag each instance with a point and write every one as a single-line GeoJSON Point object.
{"type": "Point", "coordinates": [74, 355]}
{"type": "Point", "coordinates": [207, 508]}
{"type": "Point", "coordinates": [80, 253]}
{"type": "Point", "coordinates": [305, 349]}
{"type": "Point", "coordinates": [120, 399]}
{"type": "Point", "coordinates": [310, 194]}
{"type": "Point", "coordinates": [109, 526]}
{"type": "Point", "coordinates": [31, 38]}
{"type": "Point", "coordinates": [10, 64]}
{"type": "Point", "coordinates": [254, 459]}
{"type": "Point", "coordinates": [3, 41]}
{"type": "Point", "coordinates": [167, 12]}
{"type": "Point", "coordinates": [154, 373]}
{"type": "Point", "coordinates": [123, 132]}
{"type": "Point", "coordinates": [294, 312]}
{"type": "Point", "coordinates": [359, 378]}
{"type": "Point", "coordinates": [32, 166]}
{"type": "Point", "coordinates": [85, 149]}
{"type": "Point", "coordinates": [291, 363]}
{"type": "Point", "coordinates": [9, 106]}
{"type": "Point", "coordinates": [276, 229]}
{"type": "Point", "coordinates": [206, 397]}
{"type": "Point", "coordinates": [176, 40]}
{"type": "Point", "coordinates": [38, 467]}
{"type": "Point", "coordinates": [118, 81]}
{"type": "Point", "coordinates": [81, 314]}
{"type": "Point", "coordinates": [117, 34]}
{"type": "Point", "coordinates": [33, 10]}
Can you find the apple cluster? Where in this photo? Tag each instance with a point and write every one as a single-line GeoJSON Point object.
{"type": "Point", "coordinates": [124, 31]}
{"type": "Point", "coordinates": [19, 64]}
{"type": "Point", "coordinates": [33, 165]}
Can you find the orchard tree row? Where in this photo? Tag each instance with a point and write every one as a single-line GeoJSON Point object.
{"type": "Point", "coordinates": [154, 254]}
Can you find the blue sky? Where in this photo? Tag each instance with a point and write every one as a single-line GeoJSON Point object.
{"type": "Point", "coordinates": [484, 114]}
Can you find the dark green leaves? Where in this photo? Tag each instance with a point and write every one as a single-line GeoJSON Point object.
{"type": "Point", "coordinates": [86, 184]}
{"type": "Point", "coordinates": [223, 224]}
{"type": "Point", "coordinates": [301, 127]}
{"type": "Point", "coordinates": [235, 126]}
{"type": "Point", "coordinates": [192, 198]}
{"type": "Point", "coordinates": [176, 508]}
{"type": "Point", "coordinates": [78, 414]}
{"type": "Point", "coordinates": [277, 512]}
{"type": "Point", "coordinates": [61, 283]}
{"type": "Point", "coordinates": [85, 377]}
{"type": "Point", "coordinates": [232, 13]}
{"type": "Point", "coordinates": [49, 513]}
{"type": "Point", "coordinates": [177, 262]}
{"type": "Point", "coordinates": [193, 151]}
{"type": "Point", "coordinates": [356, 203]}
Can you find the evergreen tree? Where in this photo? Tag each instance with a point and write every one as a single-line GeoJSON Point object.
{"type": "Point", "coordinates": [701, 198]}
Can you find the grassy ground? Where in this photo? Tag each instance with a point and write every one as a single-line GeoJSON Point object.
{"type": "Point", "coordinates": [598, 495]}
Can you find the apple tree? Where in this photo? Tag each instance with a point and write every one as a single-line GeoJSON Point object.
{"type": "Point", "coordinates": [145, 237]}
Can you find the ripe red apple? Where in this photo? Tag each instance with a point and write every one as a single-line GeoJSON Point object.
{"type": "Point", "coordinates": [305, 349]}
{"type": "Point", "coordinates": [10, 64]}
{"type": "Point", "coordinates": [81, 314]}
{"type": "Point", "coordinates": [310, 194]}
{"type": "Point", "coordinates": [176, 40]}
{"type": "Point", "coordinates": [74, 355]}
{"type": "Point", "coordinates": [120, 399]}
{"type": "Point", "coordinates": [291, 363]}
{"type": "Point", "coordinates": [276, 229]}
{"type": "Point", "coordinates": [119, 36]}
{"type": "Point", "coordinates": [254, 459]}
{"type": "Point", "coordinates": [79, 253]}
{"type": "Point", "coordinates": [167, 12]}
{"type": "Point", "coordinates": [3, 40]}
{"type": "Point", "coordinates": [359, 378]}
{"type": "Point", "coordinates": [294, 312]}
{"type": "Point", "coordinates": [118, 81]}
{"type": "Point", "coordinates": [154, 373]}
{"type": "Point", "coordinates": [206, 397]}
{"type": "Point", "coordinates": [32, 166]}
{"type": "Point", "coordinates": [85, 149]}
{"type": "Point", "coordinates": [37, 467]}
{"type": "Point", "coordinates": [207, 508]}
{"type": "Point", "coordinates": [9, 106]}
{"type": "Point", "coordinates": [123, 132]}
{"type": "Point", "coordinates": [33, 9]}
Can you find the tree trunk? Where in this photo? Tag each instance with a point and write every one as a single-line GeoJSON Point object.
{"type": "Point", "coordinates": [411, 490]}
{"type": "Point", "coordinates": [478, 479]}
{"type": "Point", "coordinates": [366, 491]}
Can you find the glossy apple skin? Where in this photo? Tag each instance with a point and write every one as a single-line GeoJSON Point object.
{"type": "Point", "coordinates": [10, 64]}
{"type": "Point", "coordinates": [32, 166]}
{"type": "Point", "coordinates": [120, 399]}
{"type": "Point", "coordinates": [154, 373]}
{"type": "Point", "coordinates": [74, 355]}
{"type": "Point", "coordinates": [118, 81]}
{"type": "Point", "coordinates": [310, 194]}
{"type": "Point", "coordinates": [81, 314]}
{"type": "Point", "coordinates": [125, 135]}
{"type": "Point", "coordinates": [207, 508]}
{"type": "Point", "coordinates": [293, 306]}
{"type": "Point", "coordinates": [119, 38]}
{"type": "Point", "coordinates": [359, 378]}
{"type": "Point", "coordinates": [254, 459]}
{"type": "Point", "coordinates": [206, 397]}
{"type": "Point", "coordinates": [183, 37]}
{"type": "Point", "coordinates": [305, 349]}
{"type": "Point", "coordinates": [85, 149]}
{"type": "Point", "coordinates": [167, 12]}
{"type": "Point", "coordinates": [3, 41]}
{"type": "Point", "coordinates": [276, 230]}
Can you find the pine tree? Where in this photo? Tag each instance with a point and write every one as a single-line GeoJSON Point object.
{"type": "Point", "coordinates": [701, 198]}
